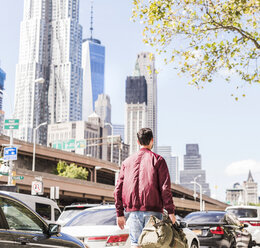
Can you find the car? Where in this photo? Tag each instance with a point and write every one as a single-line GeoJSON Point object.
{"type": "Point", "coordinates": [97, 227]}
{"type": "Point", "coordinates": [47, 208]}
{"type": "Point", "coordinates": [249, 215]}
{"type": "Point", "coordinates": [218, 229]}
{"type": "Point", "coordinates": [21, 226]}
{"type": "Point", "coordinates": [72, 210]}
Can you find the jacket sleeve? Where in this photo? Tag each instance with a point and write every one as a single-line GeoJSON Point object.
{"type": "Point", "coordinates": [165, 186]}
{"type": "Point", "coordinates": [118, 193]}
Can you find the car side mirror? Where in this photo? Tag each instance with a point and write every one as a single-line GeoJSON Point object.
{"type": "Point", "coordinates": [53, 229]}
{"type": "Point", "coordinates": [183, 224]}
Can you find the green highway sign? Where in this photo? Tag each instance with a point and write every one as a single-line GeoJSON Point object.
{"type": "Point", "coordinates": [18, 177]}
{"type": "Point", "coordinates": [11, 124]}
{"type": "Point", "coordinates": [57, 145]}
{"type": "Point", "coordinates": [4, 173]}
{"type": "Point", "coordinates": [69, 144]}
{"type": "Point", "coordinates": [81, 143]}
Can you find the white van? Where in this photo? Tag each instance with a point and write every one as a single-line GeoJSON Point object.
{"type": "Point", "coordinates": [45, 207]}
{"type": "Point", "coordinates": [249, 215]}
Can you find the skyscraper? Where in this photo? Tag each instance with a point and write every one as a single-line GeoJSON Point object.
{"type": "Point", "coordinates": [174, 169]}
{"type": "Point", "coordinates": [2, 113]}
{"type": "Point", "coordinates": [166, 153]}
{"type": "Point", "coordinates": [145, 66]}
{"type": "Point", "coordinates": [50, 48]}
{"type": "Point", "coordinates": [135, 110]}
{"type": "Point", "coordinates": [65, 89]}
{"type": "Point", "coordinates": [2, 80]}
{"type": "Point", "coordinates": [119, 129]}
{"type": "Point", "coordinates": [172, 162]}
{"type": "Point", "coordinates": [192, 169]}
{"type": "Point", "coordinates": [251, 190]}
{"type": "Point", "coordinates": [103, 108]}
{"type": "Point", "coordinates": [93, 64]}
{"type": "Point", "coordinates": [30, 105]}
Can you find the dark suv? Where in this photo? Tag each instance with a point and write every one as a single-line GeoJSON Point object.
{"type": "Point", "coordinates": [20, 225]}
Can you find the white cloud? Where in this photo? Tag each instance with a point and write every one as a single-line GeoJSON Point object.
{"type": "Point", "coordinates": [242, 167]}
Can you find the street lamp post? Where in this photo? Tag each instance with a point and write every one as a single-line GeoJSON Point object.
{"type": "Point", "coordinates": [194, 188]}
{"type": "Point", "coordinates": [34, 145]}
{"type": "Point", "coordinates": [112, 139]}
{"type": "Point", "coordinates": [36, 81]}
{"type": "Point", "coordinates": [195, 183]}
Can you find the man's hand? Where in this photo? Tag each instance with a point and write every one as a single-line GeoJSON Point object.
{"type": "Point", "coordinates": [172, 217]}
{"type": "Point", "coordinates": [121, 222]}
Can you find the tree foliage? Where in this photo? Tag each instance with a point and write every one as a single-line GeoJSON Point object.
{"type": "Point", "coordinates": [71, 171]}
{"type": "Point", "coordinates": [207, 36]}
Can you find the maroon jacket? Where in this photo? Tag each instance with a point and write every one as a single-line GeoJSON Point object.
{"type": "Point", "coordinates": [143, 184]}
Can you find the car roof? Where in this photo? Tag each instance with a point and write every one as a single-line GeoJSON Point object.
{"type": "Point", "coordinates": [81, 205]}
{"type": "Point", "coordinates": [36, 198]}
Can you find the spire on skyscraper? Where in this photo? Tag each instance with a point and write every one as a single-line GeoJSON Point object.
{"type": "Point", "coordinates": [91, 21]}
{"type": "Point", "coordinates": [250, 177]}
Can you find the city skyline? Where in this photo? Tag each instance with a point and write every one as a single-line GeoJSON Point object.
{"type": "Point", "coordinates": [226, 130]}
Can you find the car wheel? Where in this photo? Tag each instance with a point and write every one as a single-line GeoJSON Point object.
{"type": "Point", "coordinates": [250, 244]}
{"type": "Point", "coordinates": [233, 244]}
{"type": "Point", "coordinates": [194, 244]}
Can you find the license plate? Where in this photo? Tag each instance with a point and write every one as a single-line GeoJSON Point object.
{"type": "Point", "coordinates": [198, 232]}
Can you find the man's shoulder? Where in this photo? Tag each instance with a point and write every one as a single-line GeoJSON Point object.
{"type": "Point", "coordinates": [157, 156]}
{"type": "Point", "coordinates": [130, 158]}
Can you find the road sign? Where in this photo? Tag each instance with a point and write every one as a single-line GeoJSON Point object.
{"type": "Point", "coordinates": [10, 153]}
{"type": "Point", "coordinates": [81, 144]}
{"type": "Point", "coordinates": [18, 177]}
{"type": "Point", "coordinates": [37, 188]}
{"type": "Point", "coordinates": [69, 144]}
{"type": "Point", "coordinates": [57, 145]}
{"type": "Point", "coordinates": [11, 124]}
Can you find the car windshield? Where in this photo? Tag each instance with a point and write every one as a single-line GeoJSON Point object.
{"type": "Point", "coordinates": [204, 217]}
{"type": "Point", "coordinates": [70, 213]}
{"type": "Point", "coordinates": [243, 212]}
{"type": "Point", "coordinates": [93, 217]}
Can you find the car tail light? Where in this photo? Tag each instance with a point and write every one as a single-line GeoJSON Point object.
{"type": "Point", "coordinates": [101, 238]}
{"type": "Point", "coordinates": [217, 230]}
{"type": "Point", "coordinates": [252, 223]}
{"type": "Point", "coordinates": [117, 240]}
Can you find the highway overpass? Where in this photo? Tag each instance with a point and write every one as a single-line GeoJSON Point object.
{"type": "Point", "coordinates": [98, 188]}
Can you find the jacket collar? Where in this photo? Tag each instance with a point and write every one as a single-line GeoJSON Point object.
{"type": "Point", "coordinates": [144, 149]}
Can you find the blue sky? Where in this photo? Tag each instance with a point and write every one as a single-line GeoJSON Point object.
{"type": "Point", "coordinates": [227, 131]}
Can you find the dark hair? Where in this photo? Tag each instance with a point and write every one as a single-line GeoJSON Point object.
{"type": "Point", "coordinates": [144, 136]}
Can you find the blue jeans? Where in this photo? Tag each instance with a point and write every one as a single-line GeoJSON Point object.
{"type": "Point", "coordinates": [137, 221]}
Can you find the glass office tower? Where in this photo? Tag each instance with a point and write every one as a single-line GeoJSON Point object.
{"type": "Point", "coordinates": [2, 80]}
{"type": "Point", "coordinates": [93, 63]}
{"type": "Point", "coordinates": [2, 113]}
